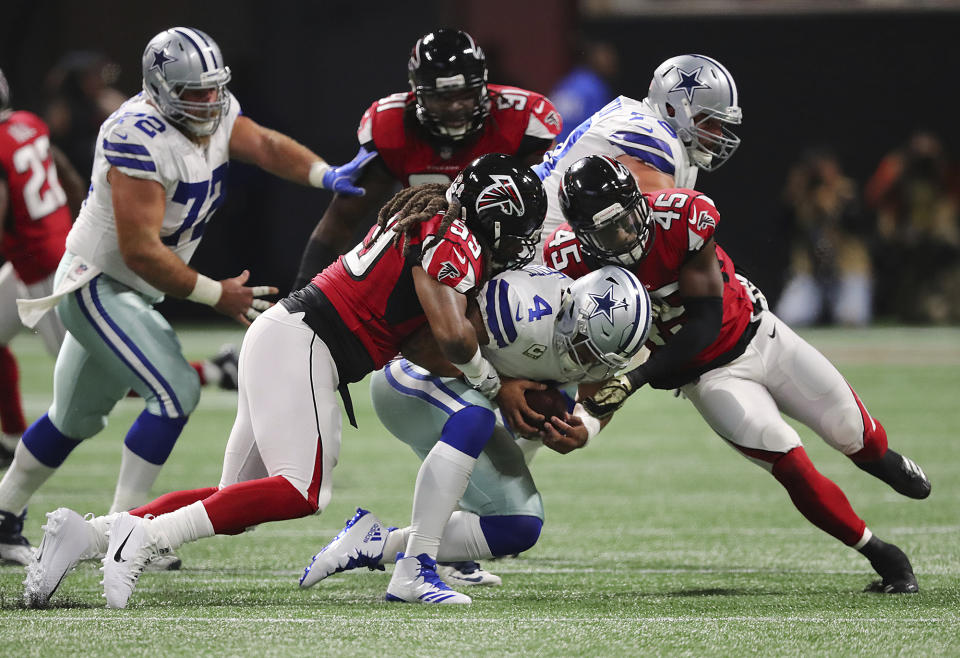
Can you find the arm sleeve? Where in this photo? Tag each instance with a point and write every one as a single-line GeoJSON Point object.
{"type": "Point", "coordinates": [704, 318]}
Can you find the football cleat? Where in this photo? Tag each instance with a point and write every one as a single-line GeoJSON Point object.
{"type": "Point", "coordinates": [167, 562]}
{"type": "Point", "coordinates": [67, 539]}
{"type": "Point", "coordinates": [415, 580]}
{"type": "Point", "coordinates": [14, 547]}
{"type": "Point", "coordinates": [901, 473]}
{"type": "Point", "coordinates": [131, 546]}
{"type": "Point", "coordinates": [359, 544]}
{"type": "Point", "coordinates": [227, 360]}
{"type": "Point", "coordinates": [459, 574]}
{"type": "Point", "coordinates": [893, 565]}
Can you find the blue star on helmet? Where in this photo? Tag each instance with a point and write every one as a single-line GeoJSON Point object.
{"type": "Point", "coordinates": [161, 59]}
{"type": "Point", "coordinates": [689, 82]}
{"type": "Point", "coordinates": [605, 305]}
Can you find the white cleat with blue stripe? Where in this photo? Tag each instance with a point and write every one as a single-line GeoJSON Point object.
{"type": "Point", "coordinates": [415, 580]}
{"type": "Point", "coordinates": [359, 544]}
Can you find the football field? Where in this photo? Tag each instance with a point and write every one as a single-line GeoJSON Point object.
{"type": "Point", "coordinates": [659, 539]}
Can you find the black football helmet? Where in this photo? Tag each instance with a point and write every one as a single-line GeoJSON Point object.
{"type": "Point", "coordinates": [503, 204]}
{"type": "Point", "coordinates": [601, 201]}
{"type": "Point", "coordinates": [4, 97]}
{"type": "Point", "coordinates": [448, 75]}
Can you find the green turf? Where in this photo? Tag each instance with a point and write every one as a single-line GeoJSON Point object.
{"type": "Point", "coordinates": [660, 540]}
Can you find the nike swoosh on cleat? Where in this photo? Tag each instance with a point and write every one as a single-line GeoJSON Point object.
{"type": "Point", "coordinates": [773, 334]}
{"type": "Point", "coordinates": [116, 556]}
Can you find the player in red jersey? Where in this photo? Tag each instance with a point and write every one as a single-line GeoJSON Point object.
{"type": "Point", "coordinates": [431, 246]}
{"type": "Point", "coordinates": [38, 190]}
{"type": "Point", "coordinates": [738, 363]}
{"type": "Point", "coordinates": [427, 135]}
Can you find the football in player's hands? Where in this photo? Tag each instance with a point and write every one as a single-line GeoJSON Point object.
{"type": "Point", "coordinates": [549, 402]}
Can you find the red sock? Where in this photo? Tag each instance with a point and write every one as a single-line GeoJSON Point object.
{"type": "Point", "coordinates": [198, 366]}
{"type": "Point", "coordinates": [874, 436]}
{"type": "Point", "coordinates": [235, 508]}
{"type": "Point", "coordinates": [173, 501]}
{"type": "Point", "coordinates": [817, 497]}
{"type": "Point", "coordinates": [11, 408]}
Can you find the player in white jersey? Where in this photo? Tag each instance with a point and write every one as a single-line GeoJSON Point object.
{"type": "Point", "coordinates": [159, 174]}
{"type": "Point", "coordinates": [681, 127]}
{"type": "Point", "coordinates": [540, 325]}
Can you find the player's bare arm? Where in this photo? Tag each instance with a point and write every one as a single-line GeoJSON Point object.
{"type": "Point", "coordinates": [70, 180]}
{"type": "Point", "coordinates": [271, 151]}
{"type": "Point", "coordinates": [138, 210]}
{"type": "Point", "coordinates": [648, 178]}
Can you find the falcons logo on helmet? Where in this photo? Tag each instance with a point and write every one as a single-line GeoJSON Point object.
{"type": "Point", "coordinates": [502, 193]}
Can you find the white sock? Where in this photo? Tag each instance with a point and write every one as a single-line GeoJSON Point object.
{"type": "Point", "coordinates": [137, 476]}
{"type": "Point", "coordinates": [98, 531]}
{"type": "Point", "coordinates": [463, 539]}
{"type": "Point", "coordinates": [9, 441]}
{"type": "Point", "coordinates": [395, 542]}
{"type": "Point", "coordinates": [25, 475]}
{"type": "Point", "coordinates": [442, 479]}
{"type": "Point", "coordinates": [188, 523]}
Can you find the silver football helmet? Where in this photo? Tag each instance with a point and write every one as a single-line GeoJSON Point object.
{"type": "Point", "coordinates": [5, 108]}
{"type": "Point", "coordinates": [182, 59]}
{"type": "Point", "coordinates": [603, 321]}
{"type": "Point", "coordinates": [689, 91]}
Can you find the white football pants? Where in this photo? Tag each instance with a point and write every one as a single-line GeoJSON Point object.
{"type": "Point", "coordinates": [778, 372]}
{"type": "Point", "coordinates": [288, 415]}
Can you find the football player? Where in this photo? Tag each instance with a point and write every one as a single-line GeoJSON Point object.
{"type": "Point", "coordinates": [682, 126]}
{"type": "Point", "coordinates": [159, 175]}
{"type": "Point", "coordinates": [432, 245]}
{"type": "Point", "coordinates": [450, 116]}
{"type": "Point", "coordinates": [740, 365]}
{"type": "Point", "coordinates": [534, 323]}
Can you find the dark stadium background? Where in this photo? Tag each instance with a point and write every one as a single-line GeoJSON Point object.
{"type": "Point", "coordinates": [858, 81]}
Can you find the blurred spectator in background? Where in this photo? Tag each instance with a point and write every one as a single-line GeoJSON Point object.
{"type": "Point", "coordinates": [586, 88]}
{"type": "Point", "coordinates": [81, 97]}
{"type": "Point", "coordinates": [915, 192]}
{"type": "Point", "coordinates": [830, 277]}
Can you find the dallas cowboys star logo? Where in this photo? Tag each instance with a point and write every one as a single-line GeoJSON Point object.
{"type": "Point", "coordinates": [689, 82]}
{"type": "Point", "coordinates": [605, 304]}
{"type": "Point", "coordinates": [161, 59]}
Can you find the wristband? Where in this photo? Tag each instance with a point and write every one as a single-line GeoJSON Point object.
{"type": "Point", "coordinates": [206, 291]}
{"type": "Point", "coordinates": [318, 170]}
{"type": "Point", "coordinates": [481, 375]}
{"type": "Point", "coordinates": [592, 424]}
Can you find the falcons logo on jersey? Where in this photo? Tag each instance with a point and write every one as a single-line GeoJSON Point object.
{"type": "Point", "coordinates": [448, 271]}
{"type": "Point", "coordinates": [502, 193]}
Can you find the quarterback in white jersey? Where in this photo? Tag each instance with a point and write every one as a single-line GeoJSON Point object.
{"type": "Point", "coordinates": [682, 126]}
{"type": "Point", "coordinates": [158, 176]}
{"type": "Point", "coordinates": [540, 325]}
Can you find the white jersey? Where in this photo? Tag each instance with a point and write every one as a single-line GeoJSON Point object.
{"type": "Point", "coordinates": [623, 127]}
{"type": "Point", "coordinates": [140, 142]}
{"type": "Point", "coordinates": [519, 309]}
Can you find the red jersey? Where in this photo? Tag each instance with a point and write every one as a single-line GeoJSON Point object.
{"type": "Point", "coordinates": [521, 122]}
{"type": "Point", "coordinates": [36, 226]}
{"type": "Point", "coordinates": [685, 220]}
{"type": "Point", "coordinates": [372, 287]}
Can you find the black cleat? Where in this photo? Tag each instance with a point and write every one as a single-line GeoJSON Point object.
{"type": "Point", "coordinates": [14, 547]}
{"type": "Point", "coordinates": [901, 473]}
{"type": "Point", "coordinates": [893, 565]}
{"type": "Point", "coordinates": [227, 360]}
